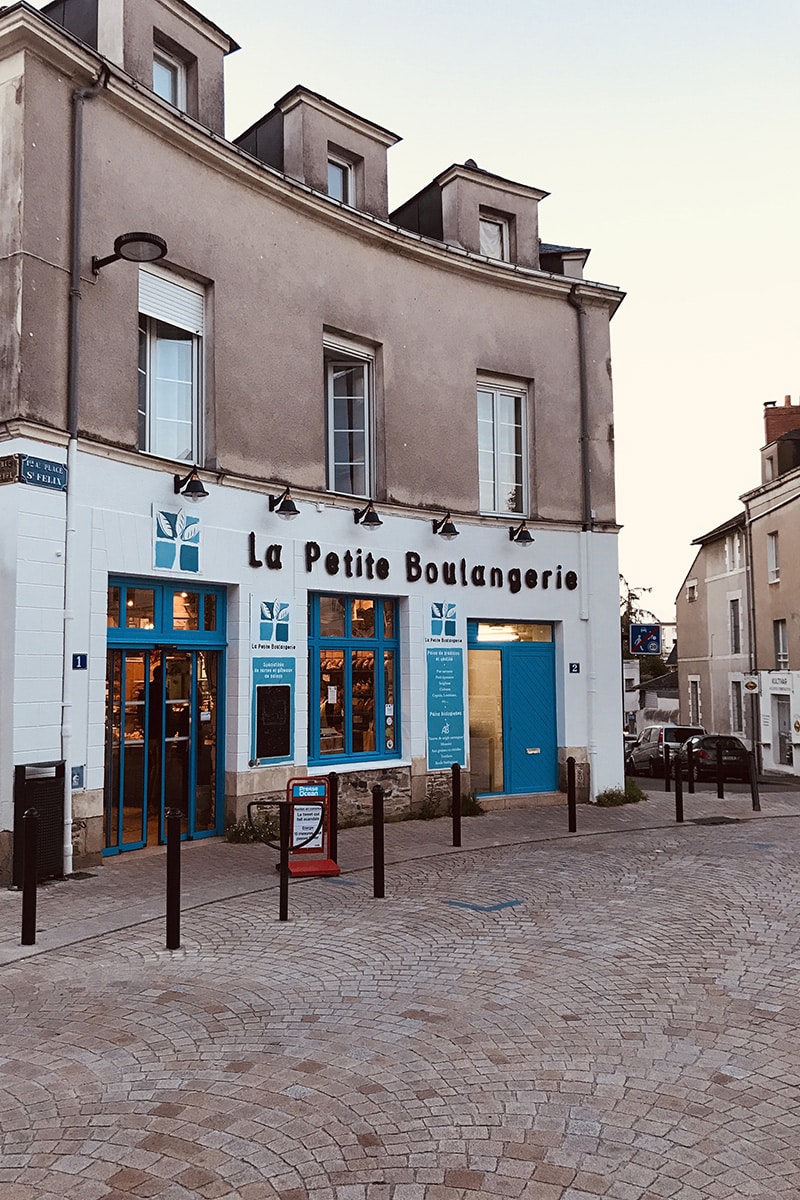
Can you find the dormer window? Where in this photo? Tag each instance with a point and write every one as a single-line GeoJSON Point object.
{"type": "Point", "coordinates": [169, 78]}
{"type": "Point", "coordinates": [495, 234]}
{"type": "Point", "coordinates": [341, 179]}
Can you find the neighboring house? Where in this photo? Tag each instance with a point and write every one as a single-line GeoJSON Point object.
{"type": "Point", "coordinates": [738, 622]}
{"type": "Point", "coordinates": [714, 637]}
{"type": "Point", "coordinates": [413, 377]}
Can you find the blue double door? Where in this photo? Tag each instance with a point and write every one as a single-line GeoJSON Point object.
{"type": "Point", "coordinates": [512, 701]}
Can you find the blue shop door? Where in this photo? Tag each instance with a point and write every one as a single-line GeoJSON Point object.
{"type": "Point", "coordinates": [529, 718]}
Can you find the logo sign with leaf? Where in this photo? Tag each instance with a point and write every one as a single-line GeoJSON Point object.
{"type": "Point", "coordinates": [443, 619]}
{"type": "Point", "coordinates": [274, 622]}
{"type": "Point", "coordinates": [177, 541]}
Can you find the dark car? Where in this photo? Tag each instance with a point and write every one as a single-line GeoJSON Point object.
{"type": "Point", "coordinates": [647, 756]}
{"type": "Point", "coordinates": [735, 757]}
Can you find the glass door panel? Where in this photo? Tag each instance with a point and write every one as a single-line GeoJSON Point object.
{"type": "Point", "coordinates": [178, 730]}
{"type": "Point", "coordinates": [205, 794]}
{"type": "Point", "coordinates": [486, 720]}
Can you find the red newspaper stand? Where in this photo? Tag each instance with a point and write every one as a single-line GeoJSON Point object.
{"type": "Point", "coordinates": [309, 835]}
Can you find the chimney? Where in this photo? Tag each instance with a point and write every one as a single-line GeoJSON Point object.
{"type": "Point", "coordinates": [778, 421]}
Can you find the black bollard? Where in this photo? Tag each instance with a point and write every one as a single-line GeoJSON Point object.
{"type": "Point", "coordinates": [667, 768]}
{"type": "Point", "coordinates": [678, 792]}
{"type": "Point", "coordinates": [690, 767]}
{"type": "Point", "coordinates": [751, 761]}
{"type": "Point", "coordinates": [378, 861]}
{"type": "Point", "coordinates": [30, 871]}
{"type": "Point", "coordinates": [283, 901]}
{"type": "Point", "coordinates": [333, 817]}
{"type": "Point", "coordinates": [456, 805]}
{"type": "Point", "coordinates": [173, 823]}
{"type": "Point", "coordinates": [572, 796]}
{"type": "Point", "coordinates": [720, 773]}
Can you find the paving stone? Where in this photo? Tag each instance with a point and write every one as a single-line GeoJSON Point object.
{"type": "Point", "coordinates": [628, 1029]}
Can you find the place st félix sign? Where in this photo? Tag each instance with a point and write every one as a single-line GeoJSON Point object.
{"type": "Point", "coordinates": [38, 472]}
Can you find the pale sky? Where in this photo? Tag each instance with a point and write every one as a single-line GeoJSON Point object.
{"type": "Point", "coordinates": [667, 135]}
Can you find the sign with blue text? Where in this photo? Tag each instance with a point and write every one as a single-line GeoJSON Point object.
{"type": "Point", "coordinates": [41, 472]}
{"type": "Point", "coordinates": [445, 707]}
{"type": "Point", "coordinates": [645, 639]}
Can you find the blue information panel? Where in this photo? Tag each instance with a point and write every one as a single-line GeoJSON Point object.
{"type": "Point", "coordinates": [272, 710]}
{"type": "Point", "coordinates": [445, 707]}
{"type": "Point", "coordinates": [645, 639]}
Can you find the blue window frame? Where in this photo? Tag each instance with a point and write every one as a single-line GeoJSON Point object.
{"type": "Point", "coordinates": [142, 611]}
{"type": "Point", "coordinates": [354, 686]}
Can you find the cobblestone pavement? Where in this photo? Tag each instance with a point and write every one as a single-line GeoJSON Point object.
{"type": "Point", "coordinates": [536, 1015]}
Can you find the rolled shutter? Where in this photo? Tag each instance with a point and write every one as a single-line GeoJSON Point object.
{"type": "Point", "coordinates": [167, 300]}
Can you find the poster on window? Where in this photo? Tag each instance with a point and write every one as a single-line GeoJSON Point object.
{"type": "Point", "coordinates": [445, 669]}
{"type": "Point", "coordinates": [272, 710]}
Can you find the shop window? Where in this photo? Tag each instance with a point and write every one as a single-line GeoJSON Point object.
{"type": "Point", "coordinates": [349, 381]}
{"type": "Point", "coordinates": [171, 331]}
{"type": "Point", "coordinates": [137, 612]}
{"type": "Point", "coordinates": [502, 453]}
{"type": "Point", "coordinates": [353, 678]}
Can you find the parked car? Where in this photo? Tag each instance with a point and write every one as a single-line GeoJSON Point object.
{"type": "Point", "coordinates": [628, 742]}
{"type": "Point", "coordinates": [735, 758]}
{"type": "Point", "coordinates": [647, 756]}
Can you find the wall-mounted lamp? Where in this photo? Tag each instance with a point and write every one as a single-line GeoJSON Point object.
{"type": "Point", "coordinates": [445, 528]}
{"type": "Point", "coordinates": [520, 534]}
{"type": "Point", "coordinates": [367, 516]}
{"type": "Point", "coordinates": [284, 505]}
{"type": "Point", "coordinates": [135, 247]}
{"type": "Point", "coordinates": [189, 486]}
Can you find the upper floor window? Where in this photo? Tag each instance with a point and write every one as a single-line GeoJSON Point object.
{"type": "Point", "coordinates": [691, 591]}
{"type": "Point", "coordinates": [781, 645]}
{"type": "Point", "coordinates": [502, 419]}
{"type": "Point", "coordinates": [169, 78]}
{"type": "Point", "coordinates": [495, 236]}
{"type": "Point", "coordinates": [773, 559]}
{"type": "Point", "coordinates": [349, 375]}
{"type": "Point", "coordinates": [734, 607]}
{"type": "Point", "coordinates": [340, 179]}
{"type": "Point", "coordinates": [171, 329]}
{"type": "Point", "coordinates": [733, 552]}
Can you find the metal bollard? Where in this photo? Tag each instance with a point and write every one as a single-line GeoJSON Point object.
{"type": "Point", "coordinates": [333, 817]}
{"type": "Point", "coordinates": [572, 796]}
{"type": "Point", "coordinates": [456, 804]}
{"type": "Point", "coordinates": [667, 767]}
{"type": "Point", "coordinates": [283, 900]}
{"type": "Point", "coordinates": [173, 823]}
{"type": "Point", "coordinates": [751, 760]}
{"type": "Point", "coordinates": [720, 774]}
{"type": "Point", "coordinates": [678, 792]}
{"type": "Point", "coordinates": [30, 872]}
{"type": "Point", "coordinates": [690, 768]}
{"type": "Point", "coordinates": [378, 859]}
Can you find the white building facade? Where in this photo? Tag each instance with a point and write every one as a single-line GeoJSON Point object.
{"type": "Point", "coordinates": [170, 652]}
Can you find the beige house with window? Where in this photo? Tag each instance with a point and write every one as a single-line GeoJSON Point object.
{"type": "Point", "coordinates": [291, 483]}
{"type": "Point", "coordinates": [738, 624]}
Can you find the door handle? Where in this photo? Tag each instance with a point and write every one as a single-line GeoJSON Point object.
{"type": "Point", "coordinates": [533, 750]}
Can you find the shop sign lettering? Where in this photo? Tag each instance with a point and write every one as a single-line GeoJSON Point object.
{"type": "Point", "coordinates": [355, 564]}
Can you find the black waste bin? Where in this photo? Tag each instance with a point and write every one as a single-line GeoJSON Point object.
{"type": "Point", "coordinates": [40, 786]}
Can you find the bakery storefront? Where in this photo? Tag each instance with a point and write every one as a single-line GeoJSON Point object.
{"type": "Point", "coordinates": [376, 658]}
